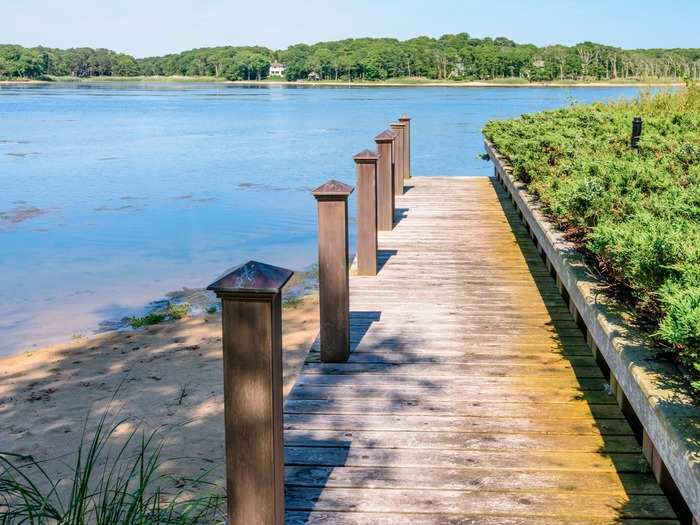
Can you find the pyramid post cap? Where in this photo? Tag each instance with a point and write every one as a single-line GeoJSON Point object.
{"type": "Point", "coordinates": [404, 118]}
{"type": "Point", "coordinates": [385, 136]}
{"type": "Point", "coordinates": [366, 157]}
{"type": "Point", "coordinates": [251, 278]}
{"type": "Point", "coordinates": [333, 189]}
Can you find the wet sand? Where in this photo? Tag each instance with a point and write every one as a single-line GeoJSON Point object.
{"type": "Point", "coordinates": [167, 375]}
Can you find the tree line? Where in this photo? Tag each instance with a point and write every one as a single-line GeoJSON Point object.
{"type": "Point", "coordinates": [450, 57]}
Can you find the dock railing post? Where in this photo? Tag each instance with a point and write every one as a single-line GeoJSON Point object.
{"type": "Point", "coordinates": [366, 171]}
{"type": "Point", "coordinates": [251, 317]}
{"type": "Point", "coordinates": [406, 121]}
{"type": "Point", "coordinates": [398, 128]}
{"type": "Point", "coordinates": [385, 181]}
{"type": "Point", "coordinates": [333, 277]}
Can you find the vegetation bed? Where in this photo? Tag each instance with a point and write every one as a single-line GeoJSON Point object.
{"type": "Point", "coordinates": [636, 214]}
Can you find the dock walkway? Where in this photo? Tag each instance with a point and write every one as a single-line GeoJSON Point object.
{"type": "Point", "coordinates": [470, 395]}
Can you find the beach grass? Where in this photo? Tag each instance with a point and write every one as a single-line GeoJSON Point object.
{"type": "Point", "coordinates": [109, 484]}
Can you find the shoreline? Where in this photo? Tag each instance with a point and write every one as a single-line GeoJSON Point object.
{"type": "Point", "coordinates": [165, 376]}
{"type": "Point", "coordinates": [427, 83]}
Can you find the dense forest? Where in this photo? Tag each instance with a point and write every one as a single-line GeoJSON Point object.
{"type": "Point", "coordinates": [450, 57]}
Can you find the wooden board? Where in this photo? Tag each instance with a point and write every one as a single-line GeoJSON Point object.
{"type": "Point", "coordinates": [470, 395]}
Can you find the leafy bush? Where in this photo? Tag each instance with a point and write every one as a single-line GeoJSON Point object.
{"type": "Point", "coordinates": [147, 320]}
{"type": "Point", "coordinates": [108, 486]}
{"type": "Point", "coordinates": [637, 213]}
{"type": "Point", "coordinates": [178, 311]}
{"type": "Point", "coordinates": [172, 312]}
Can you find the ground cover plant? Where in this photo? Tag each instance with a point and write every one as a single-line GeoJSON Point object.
{"type": "Point", "coordinates": [635, 212]}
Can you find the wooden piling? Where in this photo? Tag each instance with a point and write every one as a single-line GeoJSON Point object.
{"type": "Point", "coordinates": [334, 290]}
{"type": "Point", "coordinates": [386, 203]}
{"type": "Point", "coordinates": [366, 172]}
{"type": "Point", "coordinates": [252, 343]}
{"type": "Point", "coordinates": [398, 128]}
{"type": "Point", "coordinates": [406, 120]}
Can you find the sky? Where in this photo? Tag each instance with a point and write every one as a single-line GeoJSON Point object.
{"type": "Point", "coordinates": [155, 27]}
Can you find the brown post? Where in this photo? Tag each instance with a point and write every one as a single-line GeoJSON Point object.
{"type": "Point", "coordinates": [398, 127]}
{"type": "Point", "coordinates": [334, 286]}
{"type": "Point", "coordinates": [251, 318]}
{"type": "Point", "coordinates": [406, 120]}
{"type": "Point", "coordinates": [366, 170]}
{"type": "Point", "coordinates": [385, 181]}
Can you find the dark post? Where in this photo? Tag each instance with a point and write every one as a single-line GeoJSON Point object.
{"type": "Point", "coordinates": [385, 181]}
{"type": "Point", "coordinates": [366, 170]}
{"type": "Point", "coordinates": [636, 133]}
{"type": "Point", "coordinates": [251, 318]}
{"type": "Point", "coordinates": [334, 289]}
{"type": "Point", "coordinates": [398, 127]}
{"type": "Point", "coordinates": [406, 120]}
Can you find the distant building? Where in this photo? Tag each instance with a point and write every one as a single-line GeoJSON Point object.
{"type": "Point", "coordinates": [314, 76]}
{"type": "Point", "coordinates": [277, 69]}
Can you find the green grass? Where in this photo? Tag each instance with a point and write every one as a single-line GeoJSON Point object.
{"type": "Point", "coordinates": [147, 320]}
{"type": "Point", "coordinates": [172, 312]}
{"type": "Point", "coordinates": [636, 214]}
{"type": "Point", "coordinates": [108, 485]}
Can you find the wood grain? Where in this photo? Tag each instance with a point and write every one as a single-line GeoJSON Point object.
{"type": "Point", "coordinates": [470, 394]}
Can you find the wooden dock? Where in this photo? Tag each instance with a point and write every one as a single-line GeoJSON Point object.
{"type": "Point", "coordinates": [470, 396]}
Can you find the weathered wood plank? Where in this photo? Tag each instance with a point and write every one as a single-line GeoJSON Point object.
{"type": "Point", "coordinates": [518, 382]}
{"type": "Point", "coordinates": [576, 409]}
{"type": "Point", "coordinates": [493, 460]}
{"type": "Point", "coordinates": [484, 393]}
{"type": "Point", "coordinates": [603, 506]}
{"type": "Point", "coordinates": [451, 370]}
{"type": "Point", "coordinates": [463, 440]}
{"type": "Point", "coordinates": [470, 395]}
{"type": "Point", "coordinates": [397, 518]}
{"type": "Point", "coordinates": [430, 478]}
{"type": "Point", "coordinates": [453, 423]}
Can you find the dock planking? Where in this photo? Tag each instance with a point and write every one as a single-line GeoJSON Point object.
{"type": "Point", "coordinates": [470, 395]}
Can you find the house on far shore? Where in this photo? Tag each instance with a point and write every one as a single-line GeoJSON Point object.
{"type": "Point", "coordinates": [314, 76]}
{"type": "Point", "coordinates": [277, 69]}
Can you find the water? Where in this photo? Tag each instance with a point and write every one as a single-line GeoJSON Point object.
{"type": "Point", "coordinates": [114, 194]}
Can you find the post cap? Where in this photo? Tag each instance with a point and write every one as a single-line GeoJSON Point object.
{"type": "Point", "coordinates": [404, 118]}
{"type": "Point", "coordinates": [251, 278]}
{"type": "Point", "coordinates": [385, 136]}
{"type": "Point", "coordinates": [398, 125]}
{"type": "Point", "coordinates": [366, 157]}
{"type": "Point", "coordinates": [333, 189]}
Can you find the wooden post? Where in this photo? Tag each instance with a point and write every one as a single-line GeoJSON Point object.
{"type": "Point", "coordinates": [636, 133]}
{"type": "Point", "coordinates": [251, 318]}
{"type": "Point", "coordinates": [398, 127]}
{"type": "Point", "coordinates": [366, 170]}
{"type": "Point", "coordinates": [334, 289]}
{"type": "Point", "coordinates": [385, 181]}
{"type": "Point", "coordinates": [406, 120]}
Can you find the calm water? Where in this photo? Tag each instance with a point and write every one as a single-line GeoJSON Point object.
{"type": "Point", "coordinates": [113, 195]}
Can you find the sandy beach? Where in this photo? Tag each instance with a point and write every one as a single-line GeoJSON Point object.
{"type": "Point", "coordinates": [167, 376]}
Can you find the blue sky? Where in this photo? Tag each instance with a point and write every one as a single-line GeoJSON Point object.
{"type": "Point", "coordinates": [150, 27]}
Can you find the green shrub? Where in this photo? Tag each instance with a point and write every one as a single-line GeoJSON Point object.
{"type": "Point", "coordinates": [147, 320]}
{"type": "Point", "coordinates": [637, 213]}
{"type": "Point", "coordinates": [172, 312]}
{"type": "Point", "coordinates": [178, 311]}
